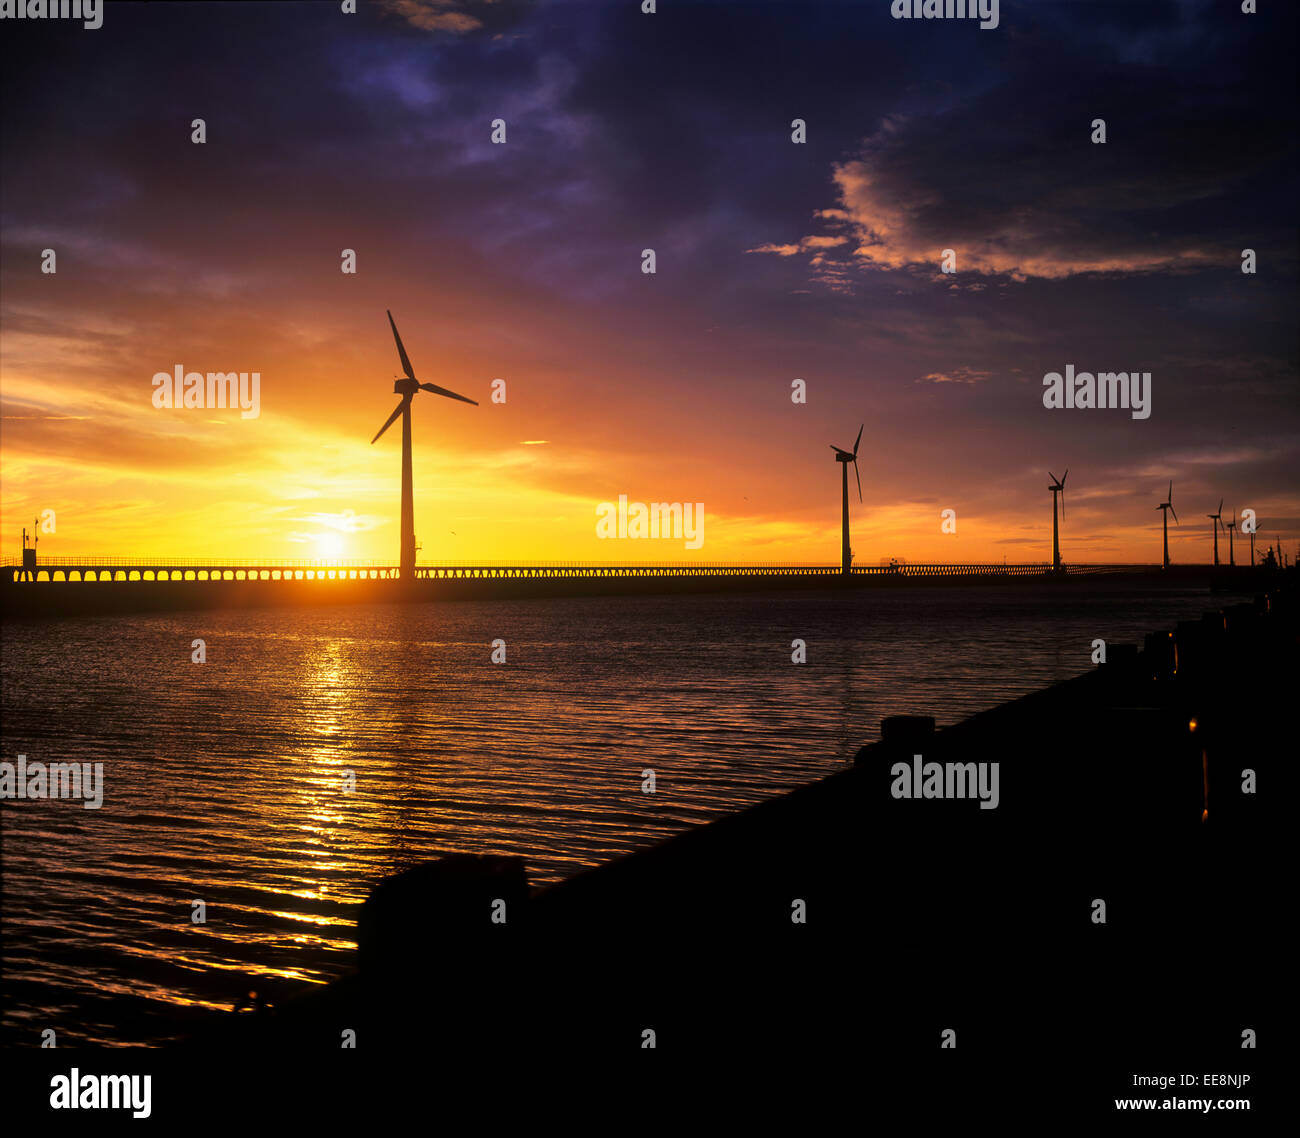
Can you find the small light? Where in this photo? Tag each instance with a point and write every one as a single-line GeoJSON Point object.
{"type": "Point", "coordinates": [1191, 725]}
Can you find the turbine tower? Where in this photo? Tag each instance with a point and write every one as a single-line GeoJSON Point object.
{"type": "Point", "coordinates": [1168, 507]}
{"type": "Point", "coordinates": [1216, 520]}
{"type": "Point", "coordinates": [843, 457]}
{"type": "Point", "coordinates": [406, 387]}
{"type": "Point", "coordinates": [1057, 487]}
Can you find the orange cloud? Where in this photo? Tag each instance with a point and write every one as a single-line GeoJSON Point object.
{"type": "Point", "coordinates": [894, 219]}
{"type": "Point", "coordinates": [434, 15]}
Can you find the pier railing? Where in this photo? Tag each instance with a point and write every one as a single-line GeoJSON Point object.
{"type": "Point", "coordinates": [66, 569]}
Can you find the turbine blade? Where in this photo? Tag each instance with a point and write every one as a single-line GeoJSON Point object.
{"type": "Point", "coordinates": [1170, 496]}
{"type": "Point", "coordinates": [1220, 514]}
{"type": "Point", "coordinates": [449, 394]}
{"type": "Point", "coordinates": [1174, 512]}
{"type": "Point", "coordinates": [392, 417]}
{"type": "Point", "coordinates": [858, 477]}
{"type": "Point", "coordinates": [401, 351]}
{"type": "Point", "coordinates": [1053, 477]}
{"type": "Point", "coordinates": [858, 440]}
{"type": "Point", "coordinates": [1064, 477]}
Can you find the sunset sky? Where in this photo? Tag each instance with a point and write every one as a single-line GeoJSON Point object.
{"type": "Point", "coordinates": [329, 131]}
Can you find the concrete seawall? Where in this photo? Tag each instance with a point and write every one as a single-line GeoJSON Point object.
{"type": "Point", "coordinates": [24, 599]}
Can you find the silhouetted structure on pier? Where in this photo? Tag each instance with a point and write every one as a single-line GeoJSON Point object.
{"type": "Point", "coordinates": [1057, 487]}
{"type": "Point", "coordinates": [407, 386]}
{"type": "Point", "coordinates": [844, 457]}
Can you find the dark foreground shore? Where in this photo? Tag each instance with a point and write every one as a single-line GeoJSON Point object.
{"type": "Point", "coordinates": [843, 923]}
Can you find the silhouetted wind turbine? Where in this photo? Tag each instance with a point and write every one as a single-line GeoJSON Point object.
{"type": "Point", "coordinates": [843, 457]}
{"type": "Point", "coordinates": [1057, 487]}
{"type": "Point", "coordinates": [1168, 507]}
{"type": "Point", "coordinates": [1216, 520]}
{"type": "Point", "coordinates": [406, 387]}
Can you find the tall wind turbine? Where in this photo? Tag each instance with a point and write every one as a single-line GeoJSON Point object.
{"type": "Point", "coordinates": [1216, 520]}
{"type": "Point", "coordinates": [406, 387]}
{"type": "Point", "coordinates": [1057, 487]}
{"type": "Point", "coordinates": [843, 457]}
{"type": "Point", "coordinates": [1168, 507]}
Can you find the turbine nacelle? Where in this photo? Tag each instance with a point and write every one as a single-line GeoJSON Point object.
{"type": "Point", "coordinates": [1058, 487]}
{"type": "Point", "coordinates": [841, 455]}
{"type": "Point", "coordinates": [1168, 503]}
{"type": "Point", "coordinates": [407, 385]}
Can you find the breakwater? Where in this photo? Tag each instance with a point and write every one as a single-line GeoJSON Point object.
{"type": "Point", "coordinates": [80, 587]}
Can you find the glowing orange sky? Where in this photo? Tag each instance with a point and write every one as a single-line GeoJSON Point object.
{"type": "Point", "coordinates": [515, 481]}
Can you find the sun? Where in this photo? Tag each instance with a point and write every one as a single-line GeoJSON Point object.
{"type": "Point", "coordinates": [330, 545]}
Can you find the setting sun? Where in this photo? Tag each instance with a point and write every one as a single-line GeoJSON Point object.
{"type": "Point", "coordinates": [330, 545]}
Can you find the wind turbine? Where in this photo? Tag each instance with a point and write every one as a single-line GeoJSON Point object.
{"type": "Point", "coordinates": [1168, 507]}
{"type": "Point", "coordinates": [406, 386]}
{"type": "Point", "coordinates": [1216, 520]}
{"type": "Point", "coordinates": [843, 457]}
{"type": "Point", "coordinates": [1057, 487]}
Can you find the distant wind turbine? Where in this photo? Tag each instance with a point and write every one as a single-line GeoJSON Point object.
{"type": "Point", "coordinates": [1216, 520]}
{"type": "Point", "coordinates": [406, 387]}
{"type": "Point", "coordinates": [843, 457]}
{"type": "Point", "coordinates": [1168, 507]}
{"type": "Point", "coordinates": [1057, 487]}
